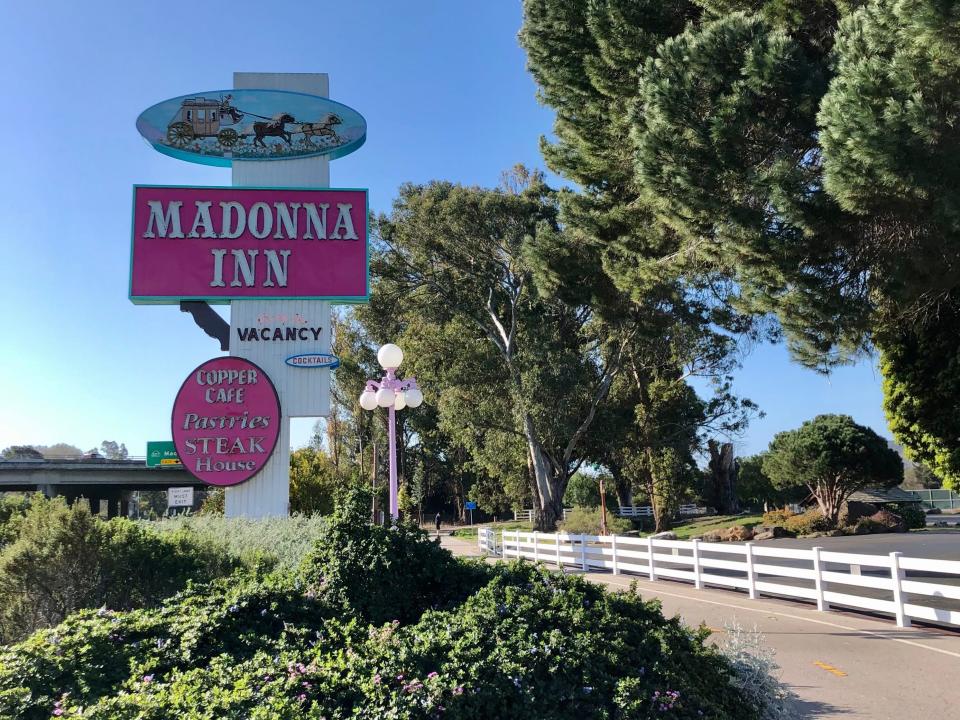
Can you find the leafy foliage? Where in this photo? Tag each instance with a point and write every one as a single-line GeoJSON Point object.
{"type": "Point", "coordinates": [586, 521]}
{"type": "Point", "coordinates": [583, 490]}
{"type": "Point", "coordinates": [13, 506]}
{"type": "Point", "coordinates": [810, 521]}
{"type": "Point", "coordinates": [912, 514]}
{"type": "Point", "coordinates": [832, 456]}
{"type": "Point", "coordinates": [521, 642]}
{"type": "Point", "coordinates": [267, 542]}
{"type": "Point", "coordinates": [381, 574]}
{"type": "Point", "coordinates": [920, 363]}
{"type": "Point", "coordinates": [65, 559]}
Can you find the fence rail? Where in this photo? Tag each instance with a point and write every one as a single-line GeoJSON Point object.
{"type": "Point", "coordinates": [878, 583]}
{"type": "Point", "coordinates": [527, 515]}
{"type": "Point", "coordinates": [623, 511]}
{"type": "Point", "coordinates": [647, 511]}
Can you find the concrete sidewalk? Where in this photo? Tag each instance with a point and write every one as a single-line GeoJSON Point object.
{"type": "Point", "coordinates": [840, 664]}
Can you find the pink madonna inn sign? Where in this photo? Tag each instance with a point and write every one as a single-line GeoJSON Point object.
{"type": "Point", "coordinates": [239, 243]}
{"type": "Point", "coordinates": [226, 421]}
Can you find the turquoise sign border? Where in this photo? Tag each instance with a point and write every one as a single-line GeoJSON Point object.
{"type": "Point", "coordinates": [143, 124]}
{"type": "Point", "coordinates": [226, 300]}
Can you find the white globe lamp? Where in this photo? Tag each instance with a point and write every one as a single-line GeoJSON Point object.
{"type": "Point", "coordinates": [414, 397]}
{"type": "Point", "coordinates": [400, 401]}
{"type": "Point", "coordinates": [390, 356]}
{"type": "Point", "coordinates": [368, 400]}
{"type": "Point", "coordinates": [385, 397]}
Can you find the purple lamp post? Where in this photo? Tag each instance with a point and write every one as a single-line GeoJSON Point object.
{"type": "Point", "coordinates": [391, 392]}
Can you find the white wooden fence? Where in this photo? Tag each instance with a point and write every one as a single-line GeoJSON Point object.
{"type": "Point", "coordinates": [623, 511]}
{"type": "Point", "coordinates": [527, 515]}
{"type": "Point", "coordinates": [827, 578]}
{"type": "Point", "coordinates": [647, 511]}
{"type": "Point", "coordinates": [487, 541]}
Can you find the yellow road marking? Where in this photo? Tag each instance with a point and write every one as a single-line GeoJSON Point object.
{"type": "Point", "coordinates": [830, 669]}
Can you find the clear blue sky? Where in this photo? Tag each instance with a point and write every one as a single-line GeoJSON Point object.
{"type": "Point", "coordinates": [445, 94]}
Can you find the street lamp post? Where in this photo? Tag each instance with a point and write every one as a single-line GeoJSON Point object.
{"type": "Point", "coordinates": [395, 394]}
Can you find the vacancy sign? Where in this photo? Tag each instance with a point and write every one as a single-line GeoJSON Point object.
{"type": "Point", "coordinates": [238, 243]}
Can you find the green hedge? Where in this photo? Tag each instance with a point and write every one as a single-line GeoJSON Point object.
{"type": "Point", "coordinates": [511, 641]}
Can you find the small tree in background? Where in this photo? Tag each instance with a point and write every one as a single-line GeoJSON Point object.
{"type": "Point", "coordinates": [833, 457]}
{"type": "Point", "coordinates": [756, 490]}
{"type": "Point", "coordinates": [112, 450]}
{"type": "Point", "coordinates": [584, 491]}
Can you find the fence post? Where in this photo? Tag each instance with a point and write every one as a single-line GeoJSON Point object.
{"type": "Point", "coordinates": [697, 582]}
{"type": "Point", "coordinates": [822, 604]}
{"type": "Point", "coordinates": [613, 548]}
{"type": "Point", "coordinates": [751, 574]}
{"type": "Point", "coordinates": [583, 552]}
{"type": "Point", "coordinates": [559, 561]}
{"type": "Point", "coordinates": [650, 563]}
{"type": "Point", "coordinates": [897, 574]}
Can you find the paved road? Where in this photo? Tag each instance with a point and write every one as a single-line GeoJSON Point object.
{"type": "Point", "coordinates": [943, 544]}
{"type": "Point", "coordinates": [840, 665]}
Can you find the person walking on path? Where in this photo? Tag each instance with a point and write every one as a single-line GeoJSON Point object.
{"type": "Point", "coordinates": [437, 521]}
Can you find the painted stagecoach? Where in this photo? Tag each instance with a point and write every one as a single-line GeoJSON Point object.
{"type": "Point", "coordinates": [216, 128]}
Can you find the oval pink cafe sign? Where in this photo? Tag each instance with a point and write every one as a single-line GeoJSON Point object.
{"type": "Point", "coordinates": [226, 421]}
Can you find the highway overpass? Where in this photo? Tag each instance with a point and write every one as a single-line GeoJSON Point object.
{"type": "Point", "coordinates": [95, 479]}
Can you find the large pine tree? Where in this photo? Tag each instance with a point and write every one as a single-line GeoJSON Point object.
{"type": "Point", "coordinates": [793, 157]}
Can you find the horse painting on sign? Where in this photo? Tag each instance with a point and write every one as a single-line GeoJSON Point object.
{"type": "Point", "coordinates": [224, 126]}
{"type": "Point", "coordinates": [274, 128]}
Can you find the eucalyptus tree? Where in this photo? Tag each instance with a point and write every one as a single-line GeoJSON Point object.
{"type": "Point", "coordinates": [526, 370]}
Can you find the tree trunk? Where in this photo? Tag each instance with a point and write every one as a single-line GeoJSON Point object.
{"type": "Point", "coordinates": [723, 476]}
{"type": "Point", "coordinates": [548, 483]}
{"type": "Point", "coordinates": [622, 486]}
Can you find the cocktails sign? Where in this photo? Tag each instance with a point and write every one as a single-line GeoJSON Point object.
{"type": "Point", "coordinates": [238, 243]}
{"type": "Point", "coordinates": [219, 127]}
{"type": "Point", "coordinates": [226, 421]}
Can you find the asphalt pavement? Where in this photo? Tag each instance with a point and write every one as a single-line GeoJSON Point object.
{"type": "Point", "coordinates": [931, 543]}
{"type": "Point", "coordinates": [839, 664]}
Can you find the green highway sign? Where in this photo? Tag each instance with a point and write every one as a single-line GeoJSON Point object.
{"type": "Point", "coordinates": [162, 453]}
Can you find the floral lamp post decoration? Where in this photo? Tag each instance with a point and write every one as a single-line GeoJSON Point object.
{"type": "Point", "coordinates": [395, 394]}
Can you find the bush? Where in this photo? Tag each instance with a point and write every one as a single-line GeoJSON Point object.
{"type": "Point", "coordinates": [777, 518]}
{"type": "Point", "coordinates": [889, 521]}
{"type": "Point", "coordinates": [734, 533]}
{"type": "Point", "coordinates": [65, 559]}
{"type": "Point", "coordinates": [383, 574]}
{"type": "Point", "coordinates": [586, 521]}
{"type": "Point", "coordinates": [268, 541]}
{"type": "Point", "coordinates": [864, 526]}
{"type": "Point", "coordinates": [912, 514]}
{"type": "Point", "coordinates": [13, 506]}
{"type": "Point", "coordinates": [810, 521]}
{"type": "Point", "coordinates": [528, 644]}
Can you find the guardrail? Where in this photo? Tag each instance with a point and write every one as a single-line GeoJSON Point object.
{"type": "Point", "coordinates": [647, 511]}
{"type": "Point", "coordinates": [762, 570]}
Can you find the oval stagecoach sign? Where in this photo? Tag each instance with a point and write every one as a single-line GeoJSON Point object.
{"type": "Point", "coordinates": [218, 127]}
{"type": "Point", "coordinates": [226, 421]}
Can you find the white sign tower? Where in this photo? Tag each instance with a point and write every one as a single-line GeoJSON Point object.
{"type": "Point", "coordinates": [304, 392]}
